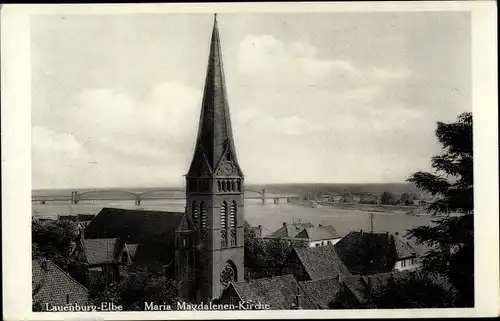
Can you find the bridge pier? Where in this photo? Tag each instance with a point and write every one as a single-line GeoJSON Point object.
{"type": "Point", "coordinates": [138, 200]}
{"type": "Point", "coordinates": [263, 197]}
{"type": "Point", "coordinates": [74, 197]}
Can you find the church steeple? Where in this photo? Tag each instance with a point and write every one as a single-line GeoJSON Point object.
{"type": "Point", "coordinates": [215, 136]}
{"type": "Point", "coordinates": [214, 196]}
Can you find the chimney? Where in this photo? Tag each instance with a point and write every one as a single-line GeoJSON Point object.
{"type": "Point", "coordinates": [298, 300]}
{"type": "Point", "coordinates": [45, 264]}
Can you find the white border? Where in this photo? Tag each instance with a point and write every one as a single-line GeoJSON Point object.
{"type": "Point", "coordinates": [16, 154]}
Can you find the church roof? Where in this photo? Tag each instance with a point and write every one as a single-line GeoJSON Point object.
{"type": "Point", "coordinates": [100, 251]}
{"type": "Point", "coordinates": [321, 262]}
{"type": "Point", "coordinates": [153, 231]}
{"type": "Point", "coordinates": [279, 292]}
{"type": "Point", "coordinates": [215, 135]}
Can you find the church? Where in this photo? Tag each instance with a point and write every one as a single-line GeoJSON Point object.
{"type": "Point", "coordinates": [203, 247]}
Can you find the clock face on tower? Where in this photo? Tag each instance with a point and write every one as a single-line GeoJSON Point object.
{"type": "Point", "coordinates": [227, 168]}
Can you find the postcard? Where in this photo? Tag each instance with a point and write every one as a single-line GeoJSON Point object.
{"type": "Point", "coordinates": [200, 161]}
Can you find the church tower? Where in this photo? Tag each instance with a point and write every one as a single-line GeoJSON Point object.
{"type": "Point", "coordinates": [214, 193]}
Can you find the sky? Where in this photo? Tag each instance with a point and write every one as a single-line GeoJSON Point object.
{"type": "Point", "coordinates": [314, 97]}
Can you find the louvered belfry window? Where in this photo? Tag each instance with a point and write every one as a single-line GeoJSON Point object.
{"type": "Point", "coordinates": [203, 209]}
{"type": "Point", "coordinates": [196, 213]}
{"type": "Point", "coordinates": [223, 224]}
{"type": "Point", "coordinates": [233, 222]}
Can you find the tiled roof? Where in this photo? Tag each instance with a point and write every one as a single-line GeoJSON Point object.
{"type": "Point", "coordinates": [279, 292]}
{"type": "Point", "coordinates": [52, 285]}
{"type": "Point", "coordinates": [370, 253]}
{"type": "Point", "coordinates": [99, 251]}
{"type": "Point", "coordinates": [378, 281]}
{"type": "Point", "coordinates": [132, 248]}
{"type": "Point", "coordinates": [403, 249]}
{"type": "Point", "coordinates": [321, 262]}
{"type": "Point", "coordinates": [290, 230]}
{"type": "Point", "coordinates": [356, 285]}
{"type": "Point", "coordinates": [319, 233]}
{"type": "Point", "coordinates": [154, 231]}
{"type": "Point", "coordinates": [321, 292]}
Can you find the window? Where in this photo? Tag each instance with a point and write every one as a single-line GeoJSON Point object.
{"type": "Point", "coordinates": [322, 243]}
{"type": "Point", "coordinates": [125, 257]}
{"type": "Point", "coordinates": [195, 213]}
{"type": "Point", "coordinates": [223, 215]}
{"type": "Point", "coordinates": [232, 215]}
{"type": "Point", "coordinates": [184, 242]}
{"type": "Point", "coordinates": [219, 186]}
{"type": "Point", "coordinates": [203, 209]}
{"type": "Point", "coordinates": [223, 238]}
{"type": "Point", "coordinates": [233, 186]}
{"type": "Point", "coordinates": [67, 298]}
{"type": "Point", "coordinates": [233, 237]}
{"type": "Point", "coordinates": [403, 263]}
{"type": "Point", "coordinates": [239, 185]}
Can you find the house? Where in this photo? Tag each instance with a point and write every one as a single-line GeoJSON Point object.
{"type": "Point", "coordinates": [319, 235]}
{"type": "Point", "coordinates": [314, 263]}
{"type": "Point", "coordinates": [278, 293]}
{"type": "Point", "coordinates": [306, 234]}
{"type": "Point", "coordinates": [54, 287]}
{"type": "Point", "coordinates": [326, 292]}
{"type": "Point", "coordinates": [106, 259]}
{"type": "Point", "coordinates": [117, 236]}
{"type": "Point", "coordinates": [286, 293]}
{"type": "Point", "coordinates": [357, 253]}
{"type": "Point", "coordinates": [371, 253]}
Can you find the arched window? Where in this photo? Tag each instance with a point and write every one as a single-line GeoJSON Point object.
{"type": "Point", "coordinates": [232, 215]}
{"type": "Point", "coordinates": [239, 185]}
{"type": "Point", "coordinates": [203, 210]}
{"type": "Point", "coordinates": [233, 186]}
{"type": "Point", "coordinates": [223, 215]}
{"type": "Point", "coordinates": [195, 213]}
{"type": "Point", "coordinates": [218, 185]}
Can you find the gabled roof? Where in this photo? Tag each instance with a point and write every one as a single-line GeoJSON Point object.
{"type": "Point", "coordinates": [403, 249]}
{"type": "Point", "coordinates": [290, 230]}
{"type": "Point", "coordinates": [356, 285]}
{"type": "Point", "coordinates": [100, 251]}
{"type": "Point", "coordinates": [318, 233]}
{"type": "Point", "coordinates": [154, 231]}
{"type": "Point", "coordinates": [367, 253]}
{"type": "Point", "coordinates": [51, 283]}
{"type": "Point", "coordinates": [321, 262]}
{"type": "Point", "coordinates": [279, 292]}
{"type": "Point", "coordinates": [321, 292]}
{"type": "Point", "coordinates": [132, 248]}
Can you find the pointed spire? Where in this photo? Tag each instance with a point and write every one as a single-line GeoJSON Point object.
{"type": "Point", "coordinates": [215, 135]}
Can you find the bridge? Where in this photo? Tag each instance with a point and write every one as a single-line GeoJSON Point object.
{"type": "Point", "coordinates": [77, 196]}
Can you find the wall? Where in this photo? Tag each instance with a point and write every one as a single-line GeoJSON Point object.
{"type": "Point", "coordinates": [406, 264]}
{"type": "Point", "coordinates": [325, 242]}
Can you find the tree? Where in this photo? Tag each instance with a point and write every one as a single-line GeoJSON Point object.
{"type": "Point", "coordinates": [53, 240]}
{"type": "Point", "coordinates": [413, 290]}
{"type": "Point", "coordinates": [263, 258]}
{"type": "Point", "coordinates": [136, 289]}
{"type": "Point", "coordinates": [451, 238]}
{"type": "Point", "coordinates": [387, 198]}
{"type": "Point", "coordinates": [406, 199]}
